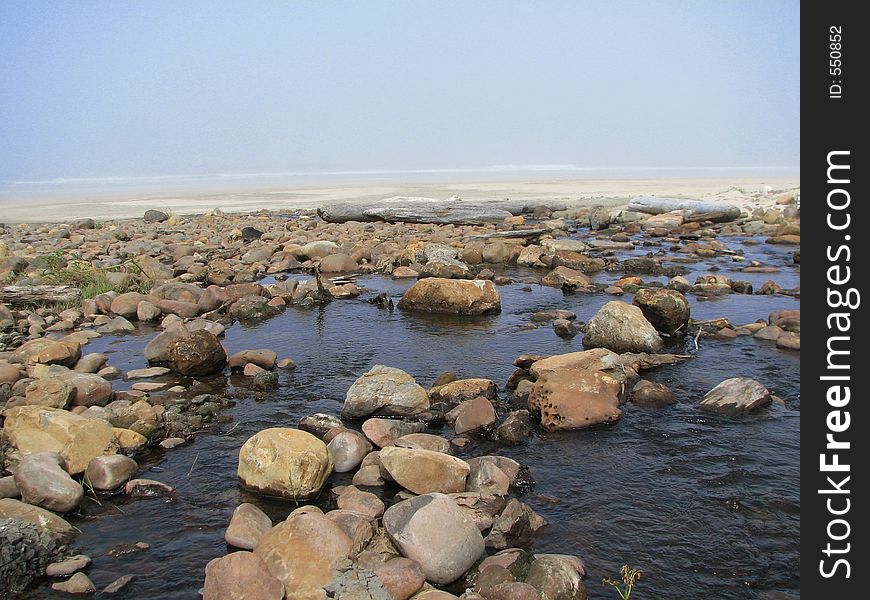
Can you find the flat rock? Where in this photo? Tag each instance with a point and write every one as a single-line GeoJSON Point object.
{"type": "Point", "coordinates": [425, 471]}
{"type": "Point", "coordinates": [736, 395]}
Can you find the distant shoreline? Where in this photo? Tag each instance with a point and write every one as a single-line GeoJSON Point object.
{"type": "Point", "coordinates": [745, 191]}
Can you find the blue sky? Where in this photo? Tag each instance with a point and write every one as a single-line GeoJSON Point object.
{"type": "Point", "coordinates": [97, 89]}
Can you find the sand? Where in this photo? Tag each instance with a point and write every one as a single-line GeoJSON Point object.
{"type": "Point", "coordinates": [746, 192]}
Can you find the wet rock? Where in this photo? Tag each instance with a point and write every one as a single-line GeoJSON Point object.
{"type": "Point", "coordinates": [487, 479]}
{"type": "Point", "coordinates": [452, 296]}
{"type": "Point", "coordinates": [652, 395]}
{"type": "Point", "coordinates": [157, 350]}
{"type": "Point", "coordinates": [513, 590]}
{"type": "Point", "coordinates": [563, 276]}
{"type": "Point", "coordinates": [34, 429]}
{"type": "Point", "coordinates": [91, 363]}
{"type": "Point", "coordinates": [473, 415]}
{"type": "Point", "coordinates": [247, 525]}
{"type": "Point", "coordinates": [284, 462]}
{"type": "Point", "coordinates": [358, 501]}
{"type": "Point", "coordinates": [77, 584]}
{"type": "Point", "coordinates": [434, 532]}
{"type": "Point", "coordinates": [385, 390]}
{"type": "Point", "coordinates": [514, 527]}
{"type": "Point", "coordinates": [558, 577]}
{"type": "Point", "coordinates": [515, 428]}
{"type": "Point", "coordinates": [460, 390]}
{"type": "Point", "coordinates": [43, 520]}
{"type": "Point", "coordinates": [789, 341]}
{"type": "Point", "coordinates": [736, 395]}
{"type": "Point", "coordinates": [667, 310]}
{"type": "Point", "coordinates": [347, 450]}
{"type": "Point", "coordinates": [621, 327]}
{"type": "Point", "coordinates": [263, 358]}
{"type": "Point", "coordinates": [251, 308]}
{"type": "Point", "coordinates": [303, 552]}
{"type": "Point", "coordinates": [565, 329]}
{"type": "Point", "coordinates": [319, 423]}
{"type": "Point", "coordinates": [106, 473]}
{"type": "Point", "coordinates": [68, 566]}
{"type": "Point", "coordinates": [197, 354]}
{"type": "Point", "coordinates": [117, 585]}
{"type": "Point", "coordinates": [147, 488]}
{"type": "Point", "coordinates": [384, 432]}
{"type": "Point", "coordinates": [241, 575]}
{"type": "Point", "coordinates": [424, 471]}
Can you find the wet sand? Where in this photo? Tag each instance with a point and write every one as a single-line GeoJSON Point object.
{"type": "Point", "coordinates": [746, 192]}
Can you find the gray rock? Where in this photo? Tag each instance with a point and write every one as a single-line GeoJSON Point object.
{"type": "Point", "coordinates": [386, 390]}
{"type": "Point", "coordinates": [736, 395]}
{"type": "Point", "coordinates": [155, 216]}
{"type": "Point", "coordinates": [42, 481]}
{"type": "Point", "coordinates": [110, 472]}
{"type": "Point", "coordinates": [621, 327]}
{"type": "Point", "coordinates": [719, 211]}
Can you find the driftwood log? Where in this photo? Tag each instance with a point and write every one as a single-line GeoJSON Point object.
{"type": "Point", "coordinates": [38, 294]}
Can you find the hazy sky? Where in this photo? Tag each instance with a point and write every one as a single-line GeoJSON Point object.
{"type": "Point", "coordinates": [127, 88]}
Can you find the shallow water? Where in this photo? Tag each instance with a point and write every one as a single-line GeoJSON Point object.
{"type": "Point", "coordinates": [706, 506]}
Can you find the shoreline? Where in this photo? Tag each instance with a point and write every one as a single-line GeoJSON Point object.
{"type": "Point", "coordinates": [745, 192]}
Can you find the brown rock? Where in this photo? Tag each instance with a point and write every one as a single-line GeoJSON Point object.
{"type": "Point", "coordinates": [241, 575]}
{"type": "Point", "coordinates": [424, 471]}
{"type": "Point", "coordinates": [455, 296]}
{"type": "Point", "coordinates": [284, 462]}
{"type": "Point", "coordinates": [402, 577]}
{"type": "Point", "coordinates": [247, 525]}
{"type": "Point", "coordinates": [474, 415]}
{"type": "Point", "coordinates": [648, 393]}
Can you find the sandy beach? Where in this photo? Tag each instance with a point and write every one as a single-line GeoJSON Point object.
{"type": "Point", "coordinates": [746, 192]}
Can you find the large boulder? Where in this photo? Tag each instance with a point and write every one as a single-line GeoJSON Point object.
{"type": "Point", "coordinates": [54, 393]}
{"type": "Point", "coordinates": [452, 296]}
{"type": "Point", "coordinates": [622, 328]}
{"type": "Point", "coordinates": [240, 575]}
{"type": "Point", "coordinates": [44, 520]}
{"type": "Point", "coordinates": [425, 471]}
{"type": "Point", "coordinates": [303, 552]}
{"type": "Point", "coordinates": [736, 395]}
{"type": "Point", "coordinates": [432, 530]}
{"type": "Point", "coordinates": [42, 481]}
{"type": "Point", "coordinates": [106, 473]}
{"type": "Point", "coordinates": [33, 429]}
{"type": "Point", "coordinates": [284, 462]}
{"type": "Point", "coordinates": [667, 310]}
{"type": "Point", "coordinates": [387, 391]}
{"type": "Point", "coordinates": [197, 354]}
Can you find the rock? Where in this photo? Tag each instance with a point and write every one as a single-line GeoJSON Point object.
{"type": "Point", "coordinates": [452, 296]}
{"type": "Point", "coordinates": [319, 423]}
{"type": "Point", "coordinates": [515, 428]}
{"type": "Point", "coordinates": [157, 350]}
{"type": "Point", "coordinates": [77, 584]}
{"type": "Point", "coordinates": [358, 527]}
{"type": "Point", "coordinates": [8, 489]}
{"type": "Point", "coordinates": [434, 532]}
{"type": "Point", "coordinates": [385, 390]}
{"type": "Point", "coordinates": [287, 364]}
{"type": "Point", "coordinates": [789, 341]}
{"type": "Point", "coordinates": [445, 268]}
{"type": "Point", "coordinates": [251, 308]}
{"type": "Point", "coordinates": [126, 305]}
{"type": "Point", "coordinates": [338, 263]}
{"type": "Point", "coordinates": [474, 415]}
{"type": "Point", "coordinates": [514, 527]}
{"type": "Point", "coordinates": [487, 479]}
{"type": "Point", "coordinates": [34, 429]}
{"type": "Point", "coordinates": [565, 329]}
{"type": "Point", "coordinates": [385, 432]}
{"type": "Point", "coordinates": [621, 327]}
{"type": "Point", "coordinates": [90, 388]}
{"type": "Point", "coordinates": [736, 395]}
{"type": "Point", "coordinates": [106, 473]}
{"type": "Point", "coordinates": [68, 566]}
{"type": "Point", "coordinates": [171, 442]}
{"type": "Point", "coordinates": [9, 373]}
{"type": "Point", "coordinates": [44, 351]}
{"type": "Point", "coordinates": [147, 373]}
{"type": "Point", "coordinates": [402, 577]}
{"type": "Point", "coordinates": [347, 449]}
{"type": "Point", "coordinates": [117, 585]}
{"type": "Point", "coordinates": [650, 394]}
{"type": "Point", "coordinates": [153, 269]}
{"type": "Point", "coordinates": [241, 575]}
{"type": "Point", "coordinates": [357, 501]}
{"type": "Point", "coordinates": [563, 276]}
{"type": "Point", "coordinates": [263, 358]}
{"type": "Point", "coordinates": [460, 390]}
{"type": "Point", "coordinates": [284, 462]}
{"type": "Point", "coordinates": [54, 393]}
{"type": "Point", "coordinates": [667, 310]}
{"type": "Point", "coordinates": [91, 363]}
{"type": "Point", "coordinates": [45, 521]}
{"type": "Point", "coordinates": [513, 590]}
{"type": "Point", "coordinates": [197, 354]}
{"type": "Point", "coordinates": [129, 440]}
{"type": "Point", "coordinates": [42, 480]}
{"type": "Point", "coordinates": [574, 398]}
{"type": "Point", "coordinates": [423, 441]}
{"type": "Point", "coordinates": [154, 216]}
{"type": "Point", "coordinates": [404, 273]}
{"type": "Point", "coordinates": [247, 525]}
{"type": "Point", "coordinates": [147, 312]}
{"type": "Point", "coordinates": [303, 552]}
{"type": "Point", "coordinates": [424, 471]}
{"type": "Point", "coordinates": [147, 488]}
{"type": "Point", "coordinates": [558, 577]}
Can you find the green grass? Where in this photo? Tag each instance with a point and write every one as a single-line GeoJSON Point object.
{"type": "Point", "coordinates": [90, 280]}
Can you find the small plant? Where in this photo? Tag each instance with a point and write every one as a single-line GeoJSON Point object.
{"type": "Point", "coordinates": [629, 579]}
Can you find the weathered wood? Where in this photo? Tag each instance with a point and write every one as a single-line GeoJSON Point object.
{"type": "Point", "coordinates": [38, 294]}
{"type": "Point", "coordinates": [407, 209]}
{"type": "Point", "coordinates": [513, 234]}
{"type": "Point", "coordinates": [712, 211]}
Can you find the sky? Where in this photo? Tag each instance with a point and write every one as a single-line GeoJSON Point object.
{"type": "Point", "coordinates": [98, 89]}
